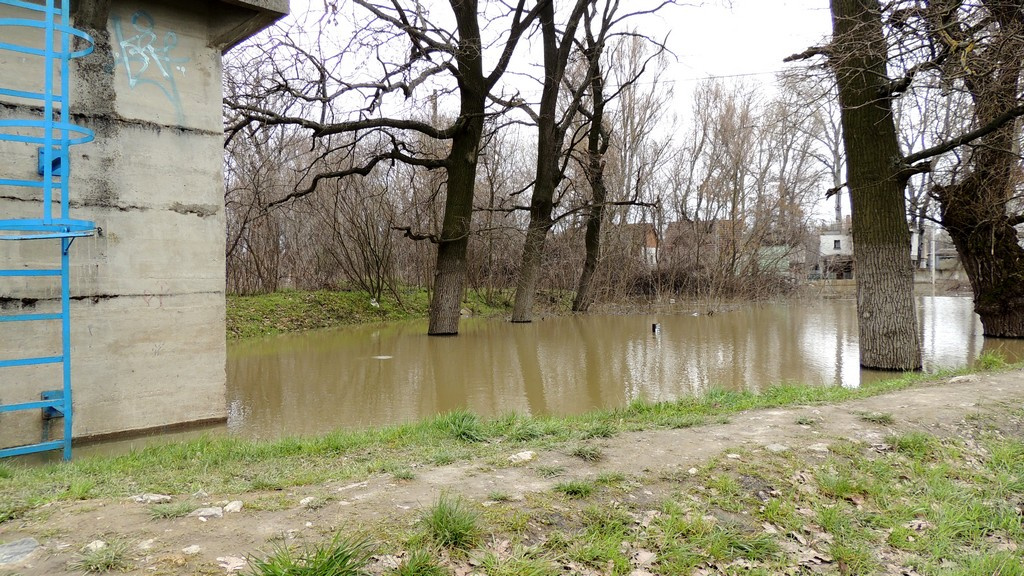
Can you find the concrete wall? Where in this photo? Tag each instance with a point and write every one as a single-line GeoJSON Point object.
{"type": "Point", "coordinates": [148, 345]}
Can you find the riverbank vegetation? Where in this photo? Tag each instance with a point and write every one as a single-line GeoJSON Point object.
{"type": "Point", "coordinates": [912, 502]}
{"type": "Point", "coordinates": [296, 310]}
{"type": "Point", "coordinates": [232, 464]}
{"type": "Point", "coordinates": [915, 504]}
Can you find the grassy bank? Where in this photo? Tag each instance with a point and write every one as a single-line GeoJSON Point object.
{"type": "Point", "coordinates": [295, 311]}
{"type": "Point", "coordinates": [916, 503]}
{"type": "Point", "coordinates": [231, 464]}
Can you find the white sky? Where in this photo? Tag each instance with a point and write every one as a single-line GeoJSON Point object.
{"type": "Point", "coordinates": [741, 39]}
{"type": "Point", "coordinates": [744, 38]}
{"type": "Point", "coordinates": [750, 37]}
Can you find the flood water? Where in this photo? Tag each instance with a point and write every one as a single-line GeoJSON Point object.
{"type": "Point", "coordinates": [387, 374]}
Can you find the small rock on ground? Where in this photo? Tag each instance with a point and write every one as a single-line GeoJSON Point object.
{"type": "Point", "coordinates": [522, 457]}
{"type": "Point", "coordinates": [95, 546]}
{"type": "Point", "coordinates": [152, 498]}
{"type": "Point", "coordinates": [17, 551]}
{"type": "Point", "coordinates": [214, 512]}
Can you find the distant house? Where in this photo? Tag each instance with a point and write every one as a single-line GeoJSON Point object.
{"type": "Point", "coordinates": [928, 247]}
{"type": "Point", "coordinates": [834, 244]}
{"type": "Point", "coordinates": [834, 258]}
{"type": "Point", "coordinates": [640, 238]}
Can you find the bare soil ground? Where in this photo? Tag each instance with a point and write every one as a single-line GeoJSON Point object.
{"type": "Point", "coordinates": [652, 460]}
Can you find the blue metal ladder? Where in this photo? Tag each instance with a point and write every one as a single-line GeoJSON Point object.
{"type": "Point", "coordinates": [47, 132]}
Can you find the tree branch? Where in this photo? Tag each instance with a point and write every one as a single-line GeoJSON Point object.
{"type": "Point", "coordinates": [810, 53]}
{"type": "Point", "coordinates": [270, 118]}
{"type": "Point", "coordinates": [996, 123]}
{"type": "Point", "coordinates": [408, 233]}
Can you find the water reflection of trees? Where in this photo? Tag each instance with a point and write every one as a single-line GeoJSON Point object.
{"type": "Point", "coordinates": [311, 383]}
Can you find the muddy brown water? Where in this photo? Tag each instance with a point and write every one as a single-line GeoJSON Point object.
{"type": "Point", "coordinates": [386, 374]}
{"type": "Point", "coordinates": [375, 375]}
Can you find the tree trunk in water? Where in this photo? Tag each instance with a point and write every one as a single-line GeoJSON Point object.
{"type": "Point", "coordinates": [887, 322]}
{"type": "Point", "coordinates": [974, 214]}
{"type": "Point", "coordinates": [550, 138]}
{"type": "Point", "coordinates": [974, 210]}
{"type": "Point", "coordinates": [450, 271]}
{"type": "Point", "coordinates": [529, 270]}
{"type": "Point", "coordinates": [597, 145]}
{"type": "Point", "coordinates": [585, 287]}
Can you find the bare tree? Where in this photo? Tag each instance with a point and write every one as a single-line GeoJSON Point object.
{"type": "Point", "coordinates": [411, 51]}
{"type": "Point", "coordinates": [888, 332]}
{"type": "Point", "coordinates": [862, 55]}
{"type": "Point", "coordinates": [551, 130]}
{"type": "Point", "coordinates": [554, 124]}
{"type": "Point", "coordinates": [593, 166]}
{"type": "Point", "coordinates": [739, 194]}
{"type": "Point", "coordinates": [983, 45]}
{"type": "Point", "coordinates": [360, 237]}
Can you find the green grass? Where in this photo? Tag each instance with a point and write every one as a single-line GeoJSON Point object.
{"type": "Point", "coordinates": [462, 425]}
{"type": "Point", "coordinates": [882, 418]}
{"type": "Point", "coordinates": [600, 430]}
{"type": "Point", "coordinates": [295, 311]}
{"type": "Point", "coordinates": [521, 562]}
{"type": "Point", "coordinates": [113, 556]}
{"type": "Point", "coordinates": [451, 522]}
{"type": "Point", "coordinates": [991, 360]}
{"type": "Point", "coordinates": [549, 471]}
{"type": "Point", "coordinates": [80, 489]}
{"type": "Point", "coordinates": [403, 473]}
{"type": "Point", "coordinates": [917, 445]}
{"type": "Point", "coordinates": [420, 563]}
{"type": "Point", "coordinates": [342, 556]}
{"type": "Point", "coordinates": [171, 510]}
{"type": "Point", "coordinates": [587, 453]}
{"type": "Point", "coordinates": [575, 488]}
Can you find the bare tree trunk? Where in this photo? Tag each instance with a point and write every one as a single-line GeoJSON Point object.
{"type": "Point", "coordinates": [529, 269]}
{"type": "Point", "coordinates": [887, 322]}
{"type": "Point", "coordinates": [450, 272]}
{"type": "Point", "coordinates": [974, 210]}
{"type": "Point", "coordinates": [597, 145]}
{"type": "Point", "coordinates": [585, 287]}
{"type": "Point", "coordinates": [550, 139]}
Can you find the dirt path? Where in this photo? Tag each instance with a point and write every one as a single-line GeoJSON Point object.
{"type": "Point", "coordinates": [192, 545]}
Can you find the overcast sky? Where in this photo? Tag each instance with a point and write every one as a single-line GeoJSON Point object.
{"type": "Point", "coordinates": [746, 38]}
{"type": "Point", "coordinates": [743, 40]}
{"type": "Point", "coordinates": [750, 37]}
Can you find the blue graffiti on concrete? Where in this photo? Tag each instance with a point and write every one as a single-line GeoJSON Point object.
{"type": "Point", "coordinates": [149, 60]}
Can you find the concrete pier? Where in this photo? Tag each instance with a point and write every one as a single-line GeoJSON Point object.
{"type": "Point", "coordinates": [147, 317]}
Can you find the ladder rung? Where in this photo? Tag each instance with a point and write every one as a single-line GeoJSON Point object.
{"type": "Point", "coordinates": [47, 236]}
{"type": "Point", "coordinates": [23, 94]}
{"type": "Point", "coordinates": [55, 403]}
{"type": "Point", "coordinates": [31, 317]}
{"type": "Point", "coordinates": [32, 448]}
{"type": "Point", "coordinates": [31, 361]}
{"type": "Point", "coordinates": [36, 7]}
{"type": "Point", "coordinates": [22, 183]}
{"type": "Point", "coordinates": [30, 273]}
